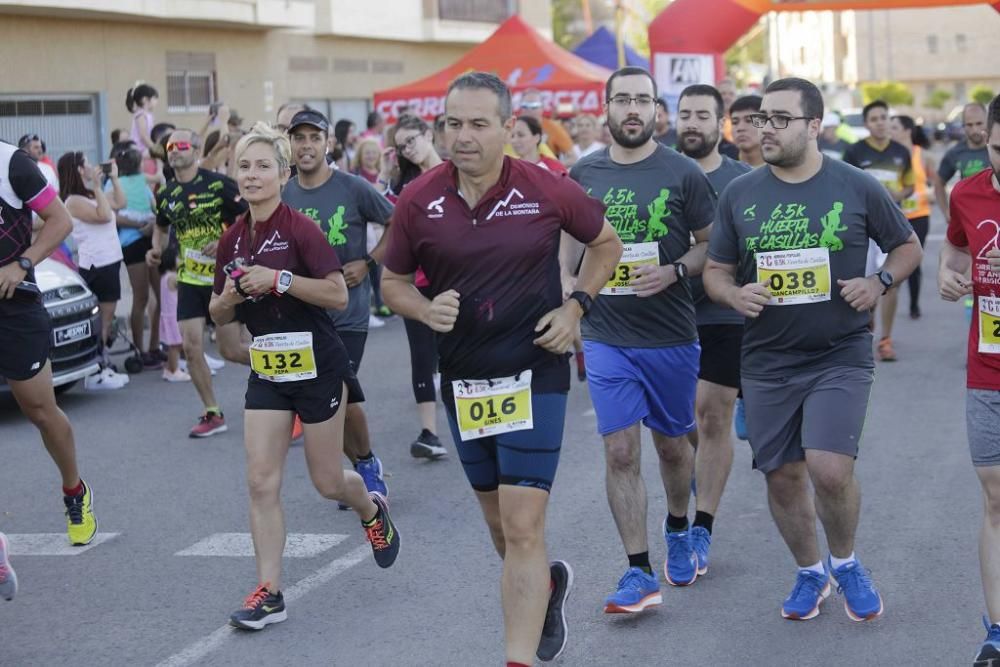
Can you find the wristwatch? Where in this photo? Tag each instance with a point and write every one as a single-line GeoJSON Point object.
{"type": "Point", "coordinates": [370, 261]}
{"type": "Point", "coordinates": [284, 282]}
{"type": "Point", "coordinates": [681, 269]}
{"type": "Point", "coordinates": [25, 264]}
{"type": "Point", "coordinates": [886, 279]}
{"type": "Point", "coordinates": [584, 299]}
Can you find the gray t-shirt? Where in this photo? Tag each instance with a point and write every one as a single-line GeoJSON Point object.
{"type": "Point", "coordinates": [659, 202]}
{"type": "Point", "coordinates": [709, 312]}
{"type": "Point", "coordinates": [834, 149]}
{"type": "Point", "coordinates": [342, 207]}
{"type": "Point", "coordinates": [835, 212]}
{"type": "Point", "coordinates": [964, 161]}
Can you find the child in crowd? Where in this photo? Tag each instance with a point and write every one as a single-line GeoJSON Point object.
{"type": "Point", "coordinates": [170, 332]}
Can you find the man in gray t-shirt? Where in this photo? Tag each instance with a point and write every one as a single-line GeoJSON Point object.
{"type": "Point", "coordinates": [788, 251]}
{"type": "Point", "coordinates": [966, 158]}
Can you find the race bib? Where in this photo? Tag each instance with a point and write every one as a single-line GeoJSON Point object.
{"type": "Point", "coordinates": [989, 325]}
{"type": "Point", "coordinates": [887, 177]}
{"type": "Point", "coordinates": [199, 267]}
{"type": "Point", "coordinates": [795, 276]}
{"type": "Point", "coordinates": [283, 357]}
{"type": "Point", "coordinates": [491, 407]}
{"type": "Point", "coordinates": [634, 255]}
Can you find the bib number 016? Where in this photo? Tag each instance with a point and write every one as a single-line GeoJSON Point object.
{"type": "Point", "coordinates": [491, 407]}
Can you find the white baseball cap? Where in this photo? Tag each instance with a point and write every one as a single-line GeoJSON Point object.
{"type": "Point", "coordinates": [830, 119]}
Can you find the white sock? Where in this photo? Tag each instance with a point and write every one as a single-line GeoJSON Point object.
{"type": "Point", "coordinates": [817, 568]}
{"type": "Point", "coordinates": [840, 562]}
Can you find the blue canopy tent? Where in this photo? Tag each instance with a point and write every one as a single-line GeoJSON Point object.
{"type": "Point", "coordinates": [601, 48]}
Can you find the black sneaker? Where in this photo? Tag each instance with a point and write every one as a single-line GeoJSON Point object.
{"type": "Point", "coordinates": [427, 446]}
{"type": "Point", "coordinates": [553, 640]}
{"type": "Point", "coordinates": [261, 608]}
{"type": "Point", "coordinates": [151, 361]}
{"type": "Point", "coordinates": [382, 533]}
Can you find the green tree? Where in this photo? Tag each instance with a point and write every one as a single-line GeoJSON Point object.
{"type": "Point", "coordinates": [892, 93]}
{"type": "Point", "coordinates": [981, 93]}
{"type": "Point", "coordinates": [937, 99]}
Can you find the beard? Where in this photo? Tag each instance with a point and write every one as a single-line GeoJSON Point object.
{"type": "Point", "coordinates": [623, 139]}
{"type": "Point", "coordinates": [788, 155]}
{"type": "Point", "coordinates": [703, 147]}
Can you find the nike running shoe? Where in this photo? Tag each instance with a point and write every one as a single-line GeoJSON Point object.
{"type": "Point", "coordinates": [701, 540]}
{"type": "Point", "coordinates": [384, 311]}
{"type": "Point", "coordinates": [213, 363]}
{"type": "Point", "coordinates": [553, 640]}
{"type": "Point", "coordinates": [382, 533]}
{"type": "Point", "coordinates": [370, 470]}
{"type": "Point", "coordinates": [8, 579]}
{"type": "Point", "coordinates": [260, 609]}
{"type": "Point", "coordinates": [427, 446]}
{"type": "Point", "coordinates": [740, 420]}
{"type": "Point", "coordinates": [209, 424]}
{"type": "Point", "coordinates": [681, 566]}
{"type": "Point", "coordinates": [636, 591]}
{"type": "Point", "coordinates": [81, 524]}
{"type": "Point", "coordinates": [885, 351]}
{"type": "Point", "coordinates": [861, 599]}
{"type": "Point", "coordinates": [989, 654]}
{"type": "Point", "coordinates": [811, 588]}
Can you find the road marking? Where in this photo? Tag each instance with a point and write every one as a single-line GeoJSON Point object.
{"type": "Point", "coordinates": [51, 544]}
{"type": "Point", "coordinates": [590, 413]}
{"type": "Point", "coordinates": [240, 545]}
{"type": "Point", "coordinates": [197, 651]}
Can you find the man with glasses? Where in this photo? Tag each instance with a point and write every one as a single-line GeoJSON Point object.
{"type": "Point", "coordinates": [640, 339]}
{"type": "Point", "coordinates": [788, 252]}
{"type": "Point", "coordinates": [199, 204]}
{"type": "Point", "coordinates": [557, 139]}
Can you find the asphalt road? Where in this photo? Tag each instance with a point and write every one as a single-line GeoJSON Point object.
{"type": "Point", "coordinates": [135, 599]}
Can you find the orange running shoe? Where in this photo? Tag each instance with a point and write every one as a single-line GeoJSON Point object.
{"type": "Point", "coordinates": [885, 351]}
{"type": "Point", "coordinates": [297, 428]}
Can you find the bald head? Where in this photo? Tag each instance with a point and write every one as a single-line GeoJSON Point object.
{"type": "Point", "coordinates": [974, 124]}
{"type": "Point", "coordinates": [285, 114]}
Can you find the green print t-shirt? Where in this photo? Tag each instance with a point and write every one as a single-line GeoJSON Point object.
{"type": "Point", "coordinates": [801, 238]}
{"type": "Point", "coordinates": [964, 161]}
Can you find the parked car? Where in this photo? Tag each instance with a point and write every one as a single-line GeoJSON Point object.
{"type": "Point", "coordinates": [76, 327]}
{"type": "Point", "coordinates": [854, 120]}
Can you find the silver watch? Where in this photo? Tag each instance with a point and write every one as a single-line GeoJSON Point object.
{"type": "Point", "coordinates": [284, 282]}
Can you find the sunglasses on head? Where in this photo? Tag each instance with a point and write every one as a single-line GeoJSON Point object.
{"type": "Point", "coordinates": [178, 146]}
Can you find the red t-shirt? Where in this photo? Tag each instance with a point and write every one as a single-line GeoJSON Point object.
{"type": "Point", "coordinates": [975, 224]}
{"type": "Point", "coordinates": [552, 165]}
{"type": "Point", "coordinates": [502, 257]}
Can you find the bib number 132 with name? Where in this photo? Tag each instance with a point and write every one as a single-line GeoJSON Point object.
{"type": "Point", "coordinates": [795, 276]}
{"type": "Point", "coordinates": [491, 407]}
{"type": "Point", "coordinates": [989, 325]}
{"type": "Point", "coordinates": [283, 357]}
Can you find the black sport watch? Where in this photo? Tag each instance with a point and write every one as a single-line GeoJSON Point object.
{"type": "Point", "coordinates": [681, 269]}
{"type": "Point", "coordinates": [584, 299]}
{"type": "Point", "coordinates": [25, 264]}
{"type": "Point", "coordinates": [886, 279]}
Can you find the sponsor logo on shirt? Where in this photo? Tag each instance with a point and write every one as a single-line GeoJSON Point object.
{"type": "Point", "coordinates": [506, 207]}
{"type": "Point", "coordinates": [273, 244]}
{"type": "Point", "coordinates": [437, 208]}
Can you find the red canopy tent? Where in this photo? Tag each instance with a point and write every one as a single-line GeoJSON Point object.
{"type": "Point", "coordinates": [519, 55]}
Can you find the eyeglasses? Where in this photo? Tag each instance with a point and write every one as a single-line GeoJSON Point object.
{"type": "Point", "coordinates": [779, 121]}
{"type": "Point", "coordinates": [531, 105]}
{"type": "Point", "coordinates": [641, 101]}
{"type": "Point", "coordinates": [178, 146]}
{"type": "Point", "coordinates": [408, 144]}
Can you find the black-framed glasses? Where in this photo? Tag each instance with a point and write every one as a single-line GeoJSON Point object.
{"type": "Point", "coordinates": [641, 101]}
{"type": "Point", "coordinates": [408, 144]}
{"type": "Point", "coordinates": [779, 121]}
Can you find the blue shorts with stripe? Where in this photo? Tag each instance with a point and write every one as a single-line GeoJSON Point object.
{"type": "Point", "coordinates": [520, 458]}
{"type": "Point", "coordinates": [656, 385]}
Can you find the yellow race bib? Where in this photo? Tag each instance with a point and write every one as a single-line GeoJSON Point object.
{"type": "Point", "coordinates": [634, 255]}
{"type": "Point", "coordinates": [989, 325]}
{"type": "Point", "coordinates": [795, 276]}
{"type": "Point", "coordinates": [283, 357]}
{"type": "Point", "coordinates": [199, 267]}
{"type": "Point", "coordinates": [490, 407]}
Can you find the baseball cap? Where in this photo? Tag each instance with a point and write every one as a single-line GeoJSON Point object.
{"type": "Point", "coordinates": [830, 119]}
{"type": "Point", "coordinates": [310, 117]}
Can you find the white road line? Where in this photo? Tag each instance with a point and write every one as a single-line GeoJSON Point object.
{"type": "Point", "coordinates": [240, 545]}
{"type": "Point", "coordinates": [197, 651]}
{"type": "Point", "coordinates": [590, 413]}
{"type": "Point", "coordinates": [51, 544]}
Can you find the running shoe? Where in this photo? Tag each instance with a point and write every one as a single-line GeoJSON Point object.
{"type": "Point", "coordinates": [8, 578]}
{"type": "Point", "coordinates": [375, 322]}
{"type": "Point", "coordinates": [636, 591]}
{"type": "Point", "coordinates": [382, 533]}
{"type": "Point", "coordinates": [297, 428]}
{"type": "Point", "coordinates": [740, 419]}
{"type": "Point", "coordinates": [151, 361]}
{"type": "Point", "coordinates": [260, 609]}
{"type": "Point", "coordinates": [915, 313]}
{"type": "Point", "coordinates": [105, 380]}
{"type": "Point", "coordinates": [427, 446]}
{"type": "Point", "coordinates": [81, 524]}
{"type": "Point", "coordinates": [861, 599]}
{"type": "Point", "coordinates": [183, 365]}
{"type": "Point", "coordinates": [384, 311]}
{"type": "Point", "coordinates": [176, 376]}
{"type": "Point", "coordinates": [681, 566]}
{"type": "Point", "coordinates": [370, 470]}
{"type": "Point", "coordinates": [701, 540]}
{"type": "Point", "coordinates": [810, 589]}
{"type": "Point", "coordinates": [553, 640]}
{"type": "Point", "coordinates": [209, 424]}
{"type": "Point", "coordinates": [989, 654]}
{"type": "Point", "coordinates": [885, 351]}
{"type": "Point", "coordinates": [213, 363]}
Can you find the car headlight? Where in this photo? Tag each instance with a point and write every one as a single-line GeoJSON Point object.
{"type": "Point", "coordinates": [94, 310]}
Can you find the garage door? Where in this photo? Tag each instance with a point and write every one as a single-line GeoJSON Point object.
{"type": "Point", "coordinates": [64, 122]}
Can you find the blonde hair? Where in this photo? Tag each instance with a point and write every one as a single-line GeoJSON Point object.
{"type": "Point", "coordinates": [262, 133]}
{"type": "Point", "coordinates": [356, 162]}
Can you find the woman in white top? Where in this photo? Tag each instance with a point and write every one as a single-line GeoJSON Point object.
{"type": "Point", "coordinates": [587, 134]}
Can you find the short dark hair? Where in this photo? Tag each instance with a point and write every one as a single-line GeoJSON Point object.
{"type": "Point", "coordinates": [485, 81]}
{"type": "Point", "coordinates": [533, 125]}
{"type": "Point", "coordinates": [810, 97]}
{"type": "Point", "coordinates": [628, 71]}
{"type": "Point", "coordinates": [662, 104]}
{"type": "Point", "coordinates": [705, 90]}
{"type": "Point", "coordinates": [745, 103]}
{"type": "Point", "coordinates": [128, 157]}
{"type": "Point", "coordinates": [876, 104]}
{"type": "Point", "coordinates": [374, 118]}
{"type": "Point", "coordinates": [27, 139]}
{"type": "Point", "coordinates": [993, 115]}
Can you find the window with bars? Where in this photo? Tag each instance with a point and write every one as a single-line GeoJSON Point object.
{"type": "Point", "coordinates": [191, 81]}
{"type": "Point", "coordinates": [489, 11]}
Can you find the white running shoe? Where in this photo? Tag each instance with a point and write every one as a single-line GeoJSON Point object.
{"type": "Point", "coordinates": [176, 376]}
{"type": "Point", "coordinates": [375, 322]}
{"type": "Point", "coordinates": [107, 379]}
{"type": "Point", "coordinates": [8, 579]}
{"type": "Point", "coordinates": [213, 363]}
{"type": "Point", "coordinates": [182, 365]}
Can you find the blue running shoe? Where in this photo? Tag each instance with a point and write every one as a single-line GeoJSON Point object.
{"type": "Point", "coordinates": [740, 419]}
{"type": "Point", "coordinates": [701, 540]}
{"type": "Point", "coordinates": [681, 566]}
{"type": "Point", "coordinates": [989, 654]}
{"type": "Point", "coordinates": [810, 589]}
{"type": "Point", "coordinates": [861, 599]}
{"type": "Point", "coordinates": [636, 591]}
{"type": "Point", "coordinates": [371, 471]}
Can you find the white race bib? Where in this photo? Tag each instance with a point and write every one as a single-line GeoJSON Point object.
{"type": "Point", "coordinates": [634, 255]}
{"type": "Point", "coordinates": [989, 325]}
{"type": "Point", "coordinates": [795, 276]}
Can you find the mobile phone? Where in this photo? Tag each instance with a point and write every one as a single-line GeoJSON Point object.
{"type": "Point", "coordinates": [106, 168]}
{"type": "Point", "coordinates": [27, 292]}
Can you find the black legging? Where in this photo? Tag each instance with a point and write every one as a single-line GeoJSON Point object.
{"type": "Point", "coordinates": [423, 358]}
{"type": "Point", "coordinates": [920, 226]}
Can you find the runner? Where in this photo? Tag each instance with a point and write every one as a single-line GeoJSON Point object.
{"type": "Point", "coordinates": [342, 205]}
{"type": "Point", "coordinates": [788, 252]}
{"type": "Point", "coordinates": [664, 133]}
{"type": "Point", "coordinates": [197, 203]}
{"type": "Point", "coordinates": [720, 329]}
{"type": "Point", "coordinates": [290, 277]}
{"type": "Point", "coordinates": [745, 135]}
{"type": "Point", "coordinates": [966, 158]}
{"type": "Point", "coordinates": [891, 165]}
{"type": "Point", "coordinates": [640, 340]}
{"type": "Point", "coordinates": [917, 207]}
{"type": "Point", "coordinates": [829, 143]}
{"type": "Point", "coordinates": [971, 249]}
{"type": "Point", "coordinates": [25, 328]}
{"type": "Point", "coordinates": [486, 229]}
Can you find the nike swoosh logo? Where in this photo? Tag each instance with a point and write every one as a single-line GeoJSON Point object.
{"type": "Point", "coordinates": [269, 609]}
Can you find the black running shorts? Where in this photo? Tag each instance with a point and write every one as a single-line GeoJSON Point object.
{"type": "Point", "coordinates": [25, 339]}
{"type": "Point", "coordinates": [104, 281]}
{"type": "Point", "coordinates": [314, 401]}
{"type": "Point", "coordinates": [192, 302]}
{"type": "Point", "coordinates": [720, 354]}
